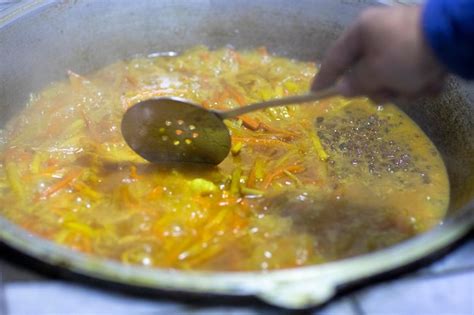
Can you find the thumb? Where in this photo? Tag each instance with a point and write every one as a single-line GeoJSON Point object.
{"type": "Point", "coordinates": [339, 58]}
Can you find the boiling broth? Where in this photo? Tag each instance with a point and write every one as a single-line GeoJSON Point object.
{"type": "Point", "coordinates": [303, 184]}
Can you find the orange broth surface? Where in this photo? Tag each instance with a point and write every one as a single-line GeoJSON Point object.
{"type": "Point", "coordinates": [303, 184]}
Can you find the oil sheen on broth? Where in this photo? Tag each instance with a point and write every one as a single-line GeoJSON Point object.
{"type": "Point", "coordinates": [302, 185]}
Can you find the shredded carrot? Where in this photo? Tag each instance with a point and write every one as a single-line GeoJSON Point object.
{"type": "Point", "coordinates": [89, 123]}
{"type": "Point", "coordinates": [204, 56]}
{"type": "Point", "coordinates": [131, 80]}
{"type": "Point", "coordinates": [236, 56]}
{"type": "Point", "coordinates": [256, 173]}
{"type": "Point", "coordinates": [64, 182]}
{"type": "Point", "coordinates": [79, 242]}
{"type": "Point", "coordinates": [206, 104]}
{"type": "Point", "coordinates": [52, 162]}
{"type": "Point", "coordinates": [251, 179]}
{"type": "Point", "coordinates": [87, 191]}
{"type": "Point", "coordinates": [262, 51]}
{"type": "Point", "coordinates": [249, 122]}
{"type": "Point", "coordinates": [238, 222]}
{"type": "Point", "coordinates": [236, 95]}
{"type": "Point", "coordinates": [222, 97]}
{"type": "Point", "coordinates": [205, 255]}
{"type": "Point", "coordinates": [133, 172]}
{"type": "Point", "coordinates": [281, 171]}
{"type": "Point", "coordinates": [75, 80]}
{"type": "Point", "coordinates": [50, 169]}
{"type": "Point", "coordinates": [23, 155]}
{"type": "Point", "coordinates": [156, 193]}
{"type": "Point", "coordinates": [125, 196]}
{"type": "Point", "coordinates": [172, 256]}
{"type": "Point", "coordinates": [283, 132]}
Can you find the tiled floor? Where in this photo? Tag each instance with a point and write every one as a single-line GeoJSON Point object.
{"type": "Point", "coordinates": [444, 288]}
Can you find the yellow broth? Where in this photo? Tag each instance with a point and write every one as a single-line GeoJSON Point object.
{"type": "Point", "coordinates": [303, 185]}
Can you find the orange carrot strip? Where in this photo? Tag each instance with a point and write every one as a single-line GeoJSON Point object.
{"type": "Point", "coordinates": [64, 182]}
{"type": "Point", "coordinates": [262, 51]}
{"type": "Point", "coordinates": [222, 97]}
{"type": "Point", "coordinates": [252, 176]}
{"type": "Point", "coordinates": [238, 222]}
{"type": "Point", "coordinates": [281, 171]}
{"type": "Point", "coordinates": [270, 128]}
{"type": "Point", "coordinates": [79, 242]}
{"type": "Point", "coordinates": [133, 172]}
{"type": "Point", "coordinates": [250, 122]}
{"type": "Point", "coordinates": [75, 80]}
{"type": "Point", "coordinates": [22, 155]}
{"type": "Point", "coordinates": [156, 193]}
{"type": "Point", "coordinates": [204, 56]}
{"type": "Point", "coordinates": [131, 80]}
{"type": "Point", "coordinates": [236, 95]}
{"type": "Point", "coordinates": [206, 104]}
{"type": "Point", "coordinates": [236, 56]}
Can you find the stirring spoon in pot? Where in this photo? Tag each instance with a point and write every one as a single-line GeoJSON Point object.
{"type": "Point", "coordinates": [171, 129]}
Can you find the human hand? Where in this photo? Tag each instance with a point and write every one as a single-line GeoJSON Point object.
{"type": "Point", "coordinates": [384, 56]}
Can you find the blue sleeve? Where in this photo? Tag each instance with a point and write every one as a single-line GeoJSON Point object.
{"type": "Point", "coordinates": [449, 29]}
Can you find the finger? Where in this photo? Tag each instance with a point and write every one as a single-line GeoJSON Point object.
{"type": "Point", "coordinates": [339, 58]}
{"type": "Point", "coordinates": [433, 89]}
{"type": "Point", "coordinates": [361, 80]}
{"type": "Point", "coordinates": [383, 97]}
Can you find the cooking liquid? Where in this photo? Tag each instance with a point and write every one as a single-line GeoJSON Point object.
{"type": "Point", "coordinates": [303, 185]}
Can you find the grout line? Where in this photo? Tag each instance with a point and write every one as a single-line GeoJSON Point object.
{"type": "Point", "coordinates": [355, 305]}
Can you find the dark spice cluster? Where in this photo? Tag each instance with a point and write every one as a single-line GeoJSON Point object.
{"type": "Point", "coordinates": [364, 139]}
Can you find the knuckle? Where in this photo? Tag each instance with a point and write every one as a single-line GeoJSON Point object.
{"type": "Point", "coordinates": [367, 16]}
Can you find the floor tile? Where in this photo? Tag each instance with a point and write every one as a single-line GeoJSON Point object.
{"type": "Point", "coordinates": [28, 298]}
{"type": "Point", "coordinates": [452, 294]}
{"type": "Point", "coordinates": [60, 298]}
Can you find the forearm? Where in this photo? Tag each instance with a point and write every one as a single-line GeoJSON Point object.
{"type": "Point", "coordinates": [449, 29]}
